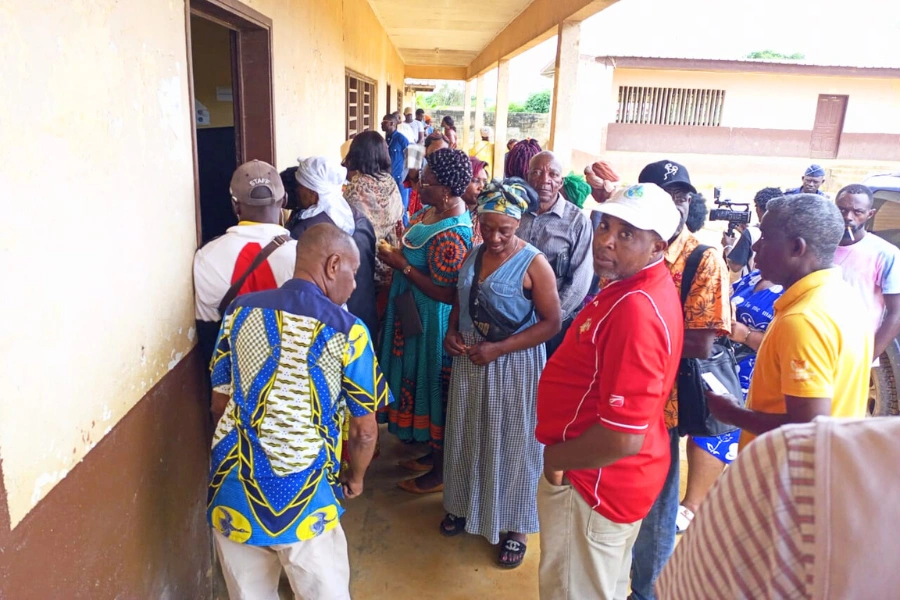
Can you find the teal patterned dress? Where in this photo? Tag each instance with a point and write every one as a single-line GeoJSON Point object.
{"type": "Point", "coordinates": [417, 369]}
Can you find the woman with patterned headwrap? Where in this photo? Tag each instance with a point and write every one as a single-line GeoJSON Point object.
{"type": "Point", "coordinates": [426, 265]}
{"type": "Point", "coordinates": [507, 307]}
{"type": "Point", "coordinates": [470, 196]}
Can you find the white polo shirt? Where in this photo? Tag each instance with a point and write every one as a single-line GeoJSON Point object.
{"type": "Point", "coordinates": [223, 260]}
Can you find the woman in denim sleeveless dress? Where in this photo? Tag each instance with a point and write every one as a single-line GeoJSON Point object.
{"type": "Point", "coordinates": [507, 307]}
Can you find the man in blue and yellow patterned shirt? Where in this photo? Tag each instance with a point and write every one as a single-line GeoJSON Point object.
{"type": "Point", "coordinates": [290, 365]}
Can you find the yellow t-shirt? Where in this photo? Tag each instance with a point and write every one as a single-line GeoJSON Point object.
{"type": "Point", "coordinates": [819, 345]}
{"type": "Point", "coordinates": [484, 151]}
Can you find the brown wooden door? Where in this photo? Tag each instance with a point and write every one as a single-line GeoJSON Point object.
{"type": "Point", "coordinates": [826, 135]}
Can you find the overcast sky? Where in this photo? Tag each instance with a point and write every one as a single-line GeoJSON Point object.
{"type": "Point", "coordinates": [834, 32]}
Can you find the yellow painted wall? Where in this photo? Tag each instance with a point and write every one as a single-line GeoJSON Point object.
{"type": "Point", "coordinates": [771, 101]}
{"type": "Point", "coordinates": [211, 55]}
{"type": "Point", "coordinates": [369, 51]}
{"type": "Point", "coordinates": [98, 229]}
{"type": "Point", "coordinates": [315, 41]}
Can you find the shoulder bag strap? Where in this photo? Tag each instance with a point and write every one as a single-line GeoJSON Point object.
{"type": "Point", "coordinates": [690, 271]}
{"type": "Point", "coordinates": [476, 287]}
{"type": "Point", "coordinates": [232, 292]}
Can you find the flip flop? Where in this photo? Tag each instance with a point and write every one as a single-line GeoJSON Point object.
{"type": "Point", "coordinates": [414, 465]}
{"type": "Point", "coordinates": [514, 548]}
{"type": "Point", "coordinates": [452, 525]}
{"type": "Point", "coordinates": [410, 485]}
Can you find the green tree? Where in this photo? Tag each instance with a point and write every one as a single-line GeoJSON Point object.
{"type": "Point", "coordinates": [446, 95]}
{"type": "Point", "coordinates": [515, 107]}
{"type": "Point", "coordinates": [771, 54]}
{"type": "Point", "coordinates": [538, 102]}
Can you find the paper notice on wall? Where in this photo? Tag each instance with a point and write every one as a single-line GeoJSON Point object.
{"type": "Point", "coordinates": [224, 94]}
{"type": "Point", "coordinates": [201, 113]}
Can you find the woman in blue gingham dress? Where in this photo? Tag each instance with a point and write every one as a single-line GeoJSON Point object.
{"type": "Point", "coordinates": [492, 459]}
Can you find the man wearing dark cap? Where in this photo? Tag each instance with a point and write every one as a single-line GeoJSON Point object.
{"type": "Point", "coordinates": [257, 197]}
{"type": "Point", "coordinates": [812, 179]}
{"type": "Point", "coordinates": [707, 314]}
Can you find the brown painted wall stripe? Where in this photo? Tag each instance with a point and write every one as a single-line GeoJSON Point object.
{"type": "Point", "coordinates": [129, 521]}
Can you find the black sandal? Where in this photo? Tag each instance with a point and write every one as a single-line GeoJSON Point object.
{"type": "Point", "coordinates": [452, 525]}
{"type": "Point", "coordinates": [514, 548]}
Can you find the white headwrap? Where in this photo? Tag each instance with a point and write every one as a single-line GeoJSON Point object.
{"type": "Point", "coordinates": [326, 178]}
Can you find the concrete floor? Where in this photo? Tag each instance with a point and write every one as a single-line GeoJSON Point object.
{"type": "Point", "coordinates": [396, 550]}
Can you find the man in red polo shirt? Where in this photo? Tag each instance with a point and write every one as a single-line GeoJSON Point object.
{"type": "Point", "coordinates": [600, 404]}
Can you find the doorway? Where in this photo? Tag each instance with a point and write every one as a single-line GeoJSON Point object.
{"type": "Point", "coordinates": [230, 65]}
{"type": "Point", "coordinates": [829, 124]}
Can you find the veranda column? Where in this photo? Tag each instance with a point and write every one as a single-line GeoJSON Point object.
{"type": "Point", "coordinates": [565, 86]}
{"type": "Point", "coordinates": [501, 117]}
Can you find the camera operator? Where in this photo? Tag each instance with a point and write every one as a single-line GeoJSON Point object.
{"type": "Point", "coordinates": [739, 250]}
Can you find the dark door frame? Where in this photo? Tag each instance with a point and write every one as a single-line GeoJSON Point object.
{"type": "Point", "coordinates": [254, 113]}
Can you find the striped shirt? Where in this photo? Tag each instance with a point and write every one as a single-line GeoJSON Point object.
{"type": "Point", "coordinates": [754, 537]}
{"type": "Point", "coordinates": [563, 230]}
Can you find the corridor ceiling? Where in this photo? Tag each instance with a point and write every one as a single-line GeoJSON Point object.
{"type": "Point", "coordinates": [444, 32]}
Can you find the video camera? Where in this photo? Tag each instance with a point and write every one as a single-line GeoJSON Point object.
{"type": "Point", "coordinates": [736, 213]}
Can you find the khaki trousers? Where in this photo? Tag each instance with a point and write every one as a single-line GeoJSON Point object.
{"type": "Point", "coordinates": [318, 569]}
{"type": "Point", "coordinates": [583, 554]}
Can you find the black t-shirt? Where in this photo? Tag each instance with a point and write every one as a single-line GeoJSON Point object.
{"type": "Point", "coordinates": [742, 251]}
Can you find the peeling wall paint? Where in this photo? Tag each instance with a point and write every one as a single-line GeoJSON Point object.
{"type": "Point", "coordinates": [100, 238]}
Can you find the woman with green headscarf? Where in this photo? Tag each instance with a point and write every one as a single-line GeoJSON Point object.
{"type": "Point", "coordinates": [506, 308]}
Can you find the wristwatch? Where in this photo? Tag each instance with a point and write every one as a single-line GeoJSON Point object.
{"type": "Point", "coordinates": [407, 269]}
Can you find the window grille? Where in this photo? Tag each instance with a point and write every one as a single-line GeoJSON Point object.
{"type": "Point", "coordinates": [670, 106]}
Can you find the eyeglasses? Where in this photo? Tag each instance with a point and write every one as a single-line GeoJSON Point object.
{"type": "Point", "coordinates": [424, 185]}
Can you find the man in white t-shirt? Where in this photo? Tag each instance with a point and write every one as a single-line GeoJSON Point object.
{"type": "Point", "coordinates": [870, 264]}
{"type": "Point", "coordinates": [257, 196]}
{"type": "Point", "coordinates": [417, 127]}
{"type": "Point", "coordinates": [404, 128]}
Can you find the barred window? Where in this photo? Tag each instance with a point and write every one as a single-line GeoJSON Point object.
{"type": "Point", "coordinates": [670, 106]}
{"type": "Point", "coordinates": [360, 104]}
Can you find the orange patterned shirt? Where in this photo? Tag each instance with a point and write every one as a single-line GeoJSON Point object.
{"type": "Point", "coordinates": [708, 303]}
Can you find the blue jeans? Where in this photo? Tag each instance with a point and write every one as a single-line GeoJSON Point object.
{"type": "Point", "coordinates": [404, 196]}
{"type": "Point", "coordinates": [656, 541]}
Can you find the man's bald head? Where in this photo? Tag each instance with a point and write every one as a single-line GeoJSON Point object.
{"type": "Point", "coordinates": [329, 258]}
{"type": "Point", "coordinates": [545, 158]}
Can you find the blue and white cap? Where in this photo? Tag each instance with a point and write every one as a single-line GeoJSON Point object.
{"type": "Point", "coordinates": [645, 206]}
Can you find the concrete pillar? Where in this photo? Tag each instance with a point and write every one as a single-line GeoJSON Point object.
{"type": "Point", "coordinates": [595, 109]}
{"type": "Point", "coordinates": [467, 117]}
{"type": "Point", "coordinates": [502, 115]}
{"type": "Point", "coordinates": [479, 105]}
{"type": "Point", "coordinates": [565, 88]}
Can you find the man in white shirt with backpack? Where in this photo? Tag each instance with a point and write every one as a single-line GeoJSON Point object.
{"type": "Point", "coordinates": [255, 255]}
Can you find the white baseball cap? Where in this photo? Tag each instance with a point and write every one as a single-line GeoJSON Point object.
{"type": "Point", "coordinates": [645, 206]}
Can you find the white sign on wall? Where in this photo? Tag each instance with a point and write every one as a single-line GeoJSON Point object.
{"type": "Point", "coordinates": [224, 94]}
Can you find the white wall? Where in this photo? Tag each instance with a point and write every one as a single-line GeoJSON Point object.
{"type": "Point", "coordinates": [772, 101]}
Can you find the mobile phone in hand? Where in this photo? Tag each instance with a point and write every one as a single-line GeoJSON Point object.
{"type": "Point", "coordinates": [713, 384]}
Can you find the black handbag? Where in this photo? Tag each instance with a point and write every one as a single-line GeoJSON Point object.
{"type": "Point", "coordinates": [694, 417]}
{"type": "Point", "coordinates": [408, 314]}
{"type": "Point", "coordinates": [489, 322]}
